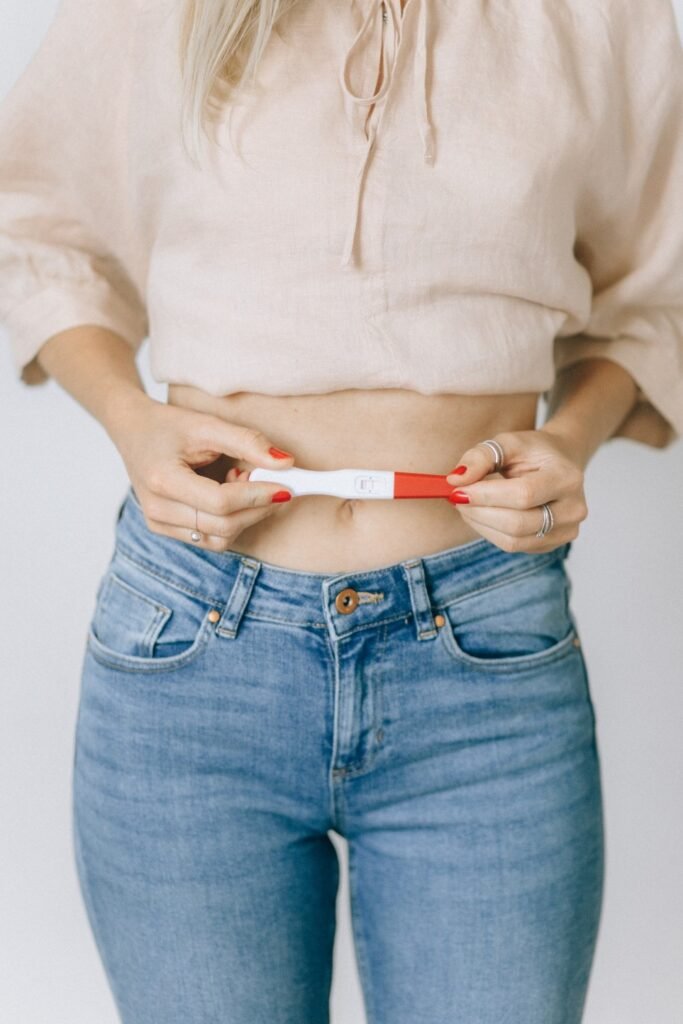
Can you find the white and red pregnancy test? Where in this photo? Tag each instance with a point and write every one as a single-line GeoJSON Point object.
{"type": "Point", "coordinates": [356, 483]}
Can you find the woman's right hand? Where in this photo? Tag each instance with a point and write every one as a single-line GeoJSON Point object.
{"type": "Point", "coordinates": [161, 444]}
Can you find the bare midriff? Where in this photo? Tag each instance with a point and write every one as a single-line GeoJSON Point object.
{"type": "Point", "coordinates": [385, 429]}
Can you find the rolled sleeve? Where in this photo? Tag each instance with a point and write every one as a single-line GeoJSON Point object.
{"type": "Point", "coordinates": [630, 222]}
{"type": "Point", "coordinates": [58, 308]}
{"type": "Point", "coordinates": [66, 249]}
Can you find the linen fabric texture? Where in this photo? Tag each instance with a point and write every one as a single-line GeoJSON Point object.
{"type": "Point", "coordinates": [511, 203]}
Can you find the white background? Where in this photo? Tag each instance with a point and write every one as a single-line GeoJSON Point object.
{"type": "Point", "coordinates": [62, 480]}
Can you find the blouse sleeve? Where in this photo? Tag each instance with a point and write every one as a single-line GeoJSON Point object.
{"type": "Point", "coordinates": [630, 225]}
{"type": "Point", "coordinates": [64, 226]}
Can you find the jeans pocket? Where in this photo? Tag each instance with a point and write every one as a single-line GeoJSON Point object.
{"type": "Point", "coordinates": [143, 623]}
{"type": "Point", "coordinates": [522, 620]}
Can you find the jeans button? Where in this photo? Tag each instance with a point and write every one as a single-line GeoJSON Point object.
{"type": "Point", "coordinates": [346, 600]}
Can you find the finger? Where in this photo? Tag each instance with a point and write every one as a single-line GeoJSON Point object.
{"type": "Point", "coordinates": [180, 484]}
{"type": "Point", "coordinates": [235, 473]}
{"type": "Point", "coordinates": [519, 492]}
{"type": "Point", "coordinates": [514, 522]}
{"type": "Point", "coordinates": [208, 437]}
{"type": "Point", "coordinates": [168, 511]}
{"type": "Point", "coordinates": [478, 461]}
{"type": "Point", "coordinates": [528, 543]}
{"type": "Point", "coordinates": [208, 541]}
{"type": "Point", "coordinates": [219, 537]}
{"type": "Point", "coordinates": [212, 435]}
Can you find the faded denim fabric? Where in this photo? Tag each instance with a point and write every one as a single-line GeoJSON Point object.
{"type": "Point", "coordinates": [435, 712]}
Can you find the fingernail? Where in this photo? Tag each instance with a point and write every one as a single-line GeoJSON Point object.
{"type": "Point", "coordinates": [277, 453]}
{"type": "Point", "coordinates": [459, 470]}
{"type": "Point", "coordinates": [281, 496]}
{"type": "Point", "coordinates": [458, 498]}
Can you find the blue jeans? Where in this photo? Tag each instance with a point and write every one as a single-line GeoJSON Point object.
{"type": "Point", "coordinates": [435, 713]}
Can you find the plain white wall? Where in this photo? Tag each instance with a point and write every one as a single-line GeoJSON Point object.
{"type": "Point", "coordinates": [62, 480]}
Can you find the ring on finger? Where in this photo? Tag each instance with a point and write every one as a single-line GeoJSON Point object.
{"type": "Point", "coordinates": [195, 535]}
{"type": "Point", "coordinates": [498, 453]}
{"type": "Point", "coordinates": [548, 521]}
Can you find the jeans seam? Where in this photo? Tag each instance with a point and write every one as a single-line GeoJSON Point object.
{"type": "Point", "coordinates": [382, 745]}
{"type": "Point", "coordinates": [501, 581]}
{"type": "Point", "coordinates": [161, 611]}
{"type": "Point", "coordinates": [561, 649]}
{"type": "Point", "coordinates": [124, 552]}
{"type": "Point", "coordinates": [360, 940]}
{"type": "Point", "coordinates": [124, 662]}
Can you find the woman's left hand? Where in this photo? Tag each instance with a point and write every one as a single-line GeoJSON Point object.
{"type": "Point", "coordinates": [539, 467]}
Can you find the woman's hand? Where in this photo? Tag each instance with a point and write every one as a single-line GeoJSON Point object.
{"type": "Point", "coordinates": [540, 466]}
{"type": "Point", "coordinates": [160, 444]}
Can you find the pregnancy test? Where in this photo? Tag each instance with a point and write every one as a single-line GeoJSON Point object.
{"type": "Point", "coordinates": [356, 483]}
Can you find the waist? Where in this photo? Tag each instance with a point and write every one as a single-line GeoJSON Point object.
{"type": "Point", "coordinates": [391, 429]}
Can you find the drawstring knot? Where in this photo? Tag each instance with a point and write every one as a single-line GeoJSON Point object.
{"type": "Point", "coordinates": [390, 46]}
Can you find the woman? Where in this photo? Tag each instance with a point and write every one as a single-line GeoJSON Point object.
{"type": "Point", "coordinates": [411, 221]}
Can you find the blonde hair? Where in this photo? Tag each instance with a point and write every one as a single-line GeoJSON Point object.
{"type": "Point", "coordinates": [220, 46]}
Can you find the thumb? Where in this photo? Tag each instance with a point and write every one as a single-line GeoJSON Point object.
{"type": "Point", "coordinates": [475, 463]}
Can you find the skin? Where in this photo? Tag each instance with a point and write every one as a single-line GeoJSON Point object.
{"type": "Point", "coordinates": [189, 459]}
{"type": "Point", "coordinates": [187, 453]}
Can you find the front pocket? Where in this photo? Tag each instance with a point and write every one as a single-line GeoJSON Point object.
{"type": "Point", "coordinates": [142, 623]}
{"type": "Point", "coordinates": [525, 620]}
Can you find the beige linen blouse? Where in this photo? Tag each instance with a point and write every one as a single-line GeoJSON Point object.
{"type": "Point", "coordinates": [508, 202]}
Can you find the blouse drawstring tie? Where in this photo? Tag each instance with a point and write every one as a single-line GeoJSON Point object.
{"type": "Point", "coordinates": [390, 44]}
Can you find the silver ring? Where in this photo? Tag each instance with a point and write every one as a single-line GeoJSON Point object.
{"type": "Point", "coordinates": [548, 521]}
{"type": "Point", "coordinates": [195, 534]}
{"type": "Point", "coordinates": [498, 453]}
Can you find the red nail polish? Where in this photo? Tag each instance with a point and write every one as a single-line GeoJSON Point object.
{"type": "Point", "coordinates": [458, 498]}
{"type": "Point", "coordinates": [281, 496]}
{"type": "Point", "coordinates": [459, 470]}
{"type": "Point", "coordinates": [277, 453]}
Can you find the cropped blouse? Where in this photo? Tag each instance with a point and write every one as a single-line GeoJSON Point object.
{"type": "Point", "coordinates": [507, 202]}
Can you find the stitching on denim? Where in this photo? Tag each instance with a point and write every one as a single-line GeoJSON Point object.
{"type": "Point", "coordinates": [368, 762]}
{"type": "Point", "coordinates": [120, 582]}
{"type": "Point", "coordinates": [511, 662]}
{"type": "Point", "coordinates": [162, 612]}
{"type": "Point", "coordinates": [121, 662]}
{"type": "Point", "coordinates": [147, 567]}
{"type": "Point", "coordinates": [239, 597]}
{"type": "Point", "coordinates": [421, 605]}
{"type": "Point", "coordinates": [383, 747]}
{"type": "Point", "coordinates": [336, 794]}
{"type": "Point", "coordinates": [230, 632]}
{"type": "Point", "coordinates": [306, 625]}
{"type": "Point", "coordinates": [498, 582]}
{"type": "Point", "coordinates": [154, 628]}
{"type": "Point", "coordinates": [360, 938]}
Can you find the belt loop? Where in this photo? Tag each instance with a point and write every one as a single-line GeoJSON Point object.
{"type": "Point", "coordinates": [239, 597]}
{"type": "Point", "coordinates": [419, 598]}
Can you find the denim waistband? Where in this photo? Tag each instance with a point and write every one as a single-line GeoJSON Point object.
{"type": "Point", "coordinates": [237, 583]}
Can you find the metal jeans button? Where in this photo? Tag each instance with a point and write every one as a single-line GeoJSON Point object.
{"type": "Point", "coordinates": [346, 600]}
